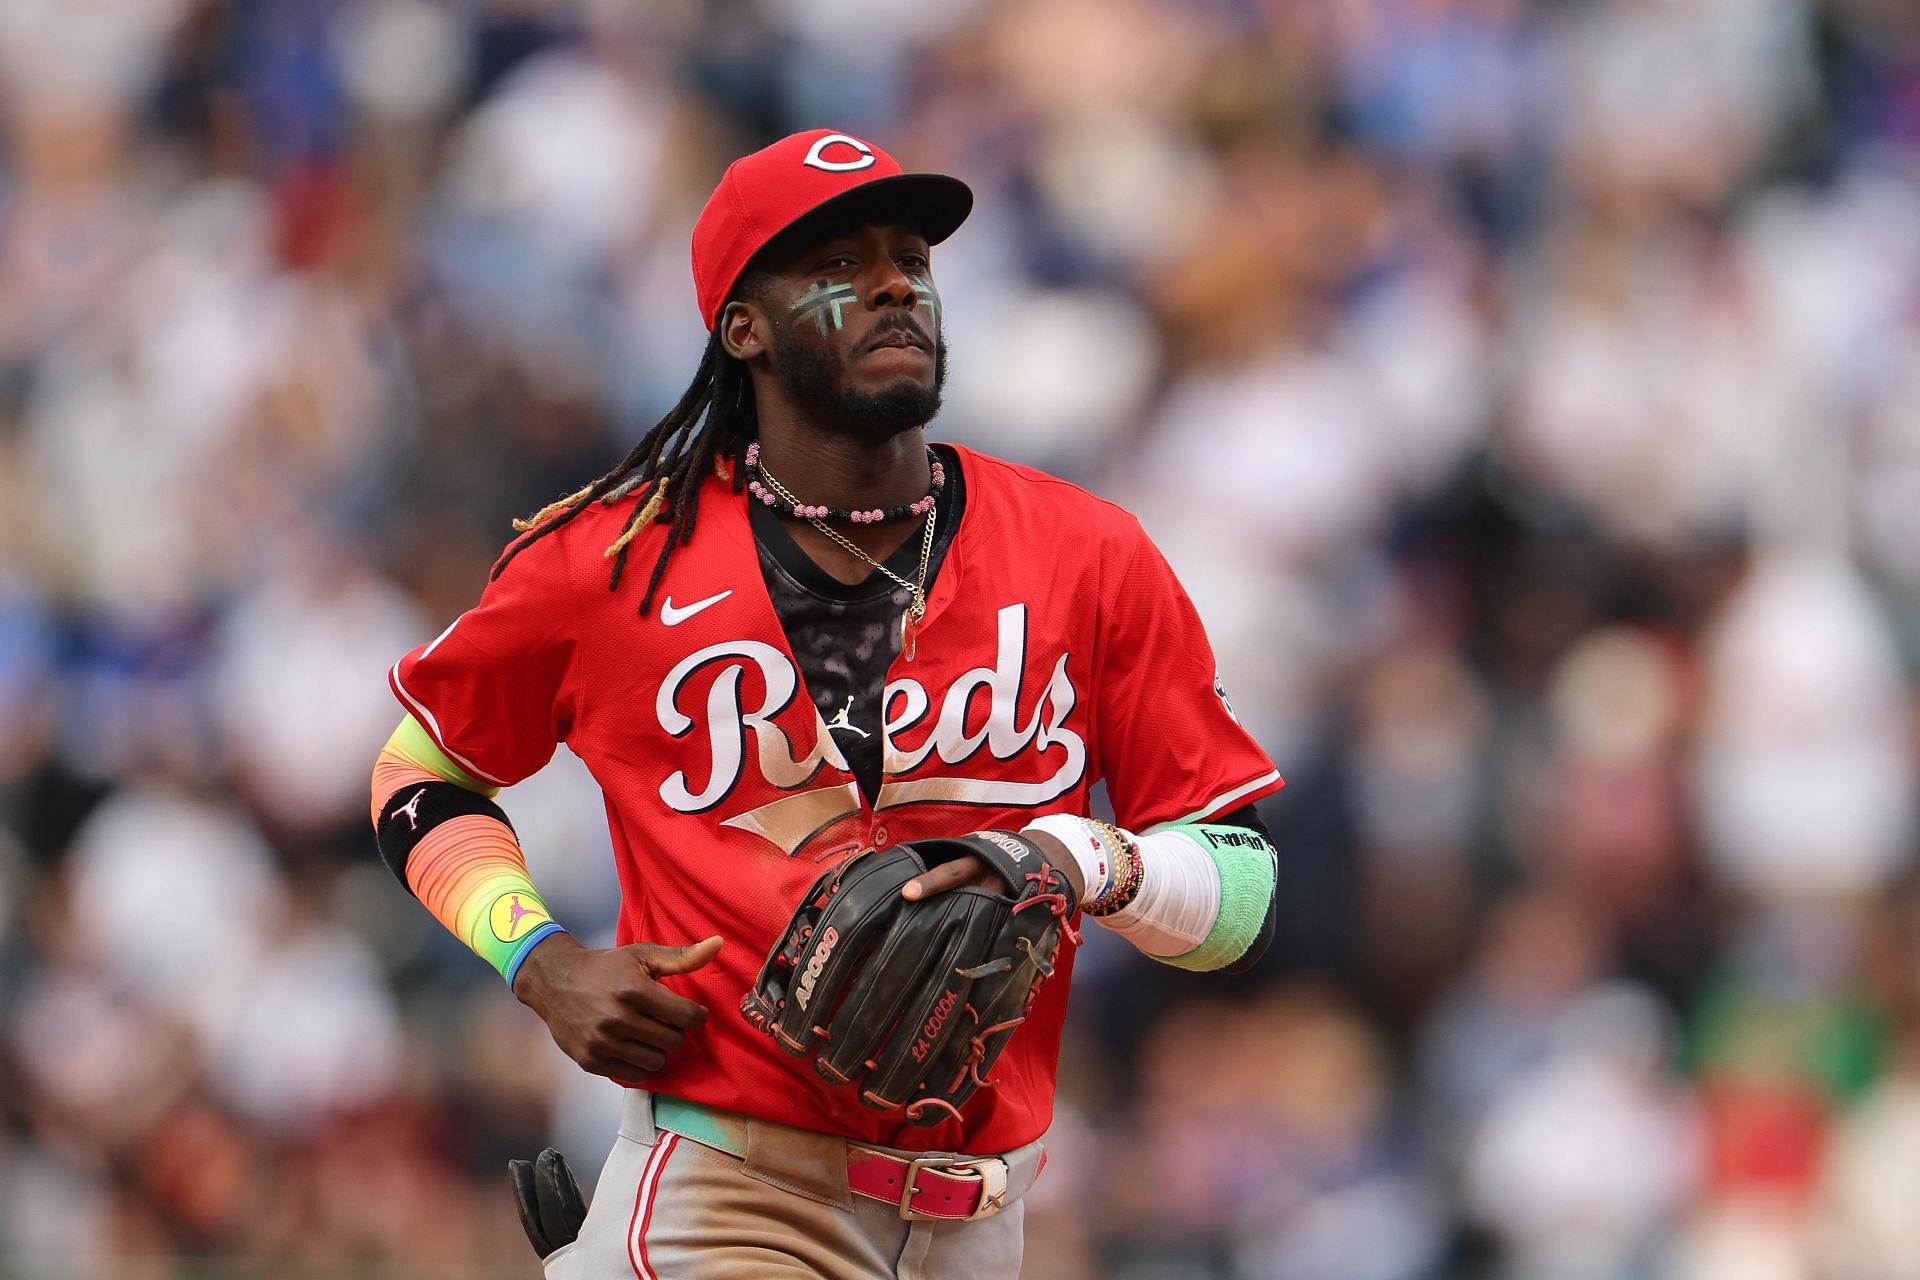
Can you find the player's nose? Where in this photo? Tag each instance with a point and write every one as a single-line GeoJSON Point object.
{"type": "Point", "coordinates": [886, 285]}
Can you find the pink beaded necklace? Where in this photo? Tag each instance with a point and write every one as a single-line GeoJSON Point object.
{"type": "Point", "coordinates": [763, 487]}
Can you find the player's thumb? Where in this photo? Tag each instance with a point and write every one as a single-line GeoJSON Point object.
{"type": "Point", "coordinates": [661, 961]}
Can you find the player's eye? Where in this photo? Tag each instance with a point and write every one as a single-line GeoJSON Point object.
{"type": "Point", "coordinates": [914, 262]}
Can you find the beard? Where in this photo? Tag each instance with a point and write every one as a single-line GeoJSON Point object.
{"type": "Point", "coordinates": [810, 374]}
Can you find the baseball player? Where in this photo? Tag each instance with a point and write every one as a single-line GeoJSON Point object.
{"type": "Point", "coordinates": [785, 630]}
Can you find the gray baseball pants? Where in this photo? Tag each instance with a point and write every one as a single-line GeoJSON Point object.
{"type": "Point", "coordinates": [669, 1207]}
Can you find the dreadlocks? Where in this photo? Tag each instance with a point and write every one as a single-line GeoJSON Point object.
{"type": "Point", "coordinates": [713, 421]}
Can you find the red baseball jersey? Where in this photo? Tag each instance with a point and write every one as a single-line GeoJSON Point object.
{"type": "Point", "coordinates": [1057, 650]}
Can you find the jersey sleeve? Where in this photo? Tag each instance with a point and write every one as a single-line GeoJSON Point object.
{"type": "Point", "coordinates": [1170, 747]}
{"type": "Point", "coordinates": [495, 690]}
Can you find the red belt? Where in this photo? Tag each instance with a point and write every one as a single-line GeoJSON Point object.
{"type": "Point", "coordinates": [951, 1187]}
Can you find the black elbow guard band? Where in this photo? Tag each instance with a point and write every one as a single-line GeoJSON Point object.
{"type": "Point", "coordinates": [412, 811]}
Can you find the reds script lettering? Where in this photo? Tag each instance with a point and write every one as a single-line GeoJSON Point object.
{"type": "Point", "coordinates": [728, 724]}
{"type": "Point", "coordinates": [1001, 732]}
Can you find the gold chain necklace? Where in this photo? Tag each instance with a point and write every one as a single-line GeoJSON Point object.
{"type": "Point", "coordinates": [917, 600]}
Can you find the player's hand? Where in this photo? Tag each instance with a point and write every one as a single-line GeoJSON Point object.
{"type": "Point", "coordinates": [949, 875]}
{"type": "Point", "coordinates": [971, 870]}
{"type": "Point", "coordinates": [606, 1009]}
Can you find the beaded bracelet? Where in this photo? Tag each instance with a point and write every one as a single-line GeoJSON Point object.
{"type": "Point", "coordinates": [1128, 872]}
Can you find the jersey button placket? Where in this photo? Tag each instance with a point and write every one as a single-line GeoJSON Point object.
{"type": "Point", "coordinates": [880, 837]}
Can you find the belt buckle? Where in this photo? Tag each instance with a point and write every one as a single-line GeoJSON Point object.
{"type": "Point", "coordinates": [990, 1170]}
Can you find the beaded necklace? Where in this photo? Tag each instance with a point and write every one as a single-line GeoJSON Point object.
{"type": "Point", "coordinates": [781, 499]}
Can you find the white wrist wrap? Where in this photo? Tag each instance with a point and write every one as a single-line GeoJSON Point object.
{"type": "Point", "coordinates": [1096, 869]}
{"type": "Point", "coordinates": [1179, 899]}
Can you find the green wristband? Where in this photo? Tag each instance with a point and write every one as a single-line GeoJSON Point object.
{"type": "Point", "coordinates": [1247, 871]}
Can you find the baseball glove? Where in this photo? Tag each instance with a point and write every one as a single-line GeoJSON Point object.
{"type": "Point", "coordinates": [910, 1003]}
{"type": "Point", "coordinates": [548, 1199]}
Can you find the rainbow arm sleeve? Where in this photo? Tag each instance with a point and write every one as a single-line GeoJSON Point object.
{"type": "Point", "coordinates": [410, 746]}
{"type": "Point", "coordinates": [466, 867]}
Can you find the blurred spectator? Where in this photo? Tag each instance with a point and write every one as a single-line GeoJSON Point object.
{"type": "Point", "coordinates": [1584, 1165]}
{"type": "Point", "coordinates": [1539, 954]}
{"type": "Point", "coordinates": [1873, 1175]}
{"type": "Point", "coordinates": [1806, 761]}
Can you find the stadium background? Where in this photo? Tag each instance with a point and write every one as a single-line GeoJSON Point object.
{"type": "Point", "coordinates": [1529, 394]}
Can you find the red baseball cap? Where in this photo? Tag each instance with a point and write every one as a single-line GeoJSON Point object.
{"type": "Point", "coordinates": [803, 175]}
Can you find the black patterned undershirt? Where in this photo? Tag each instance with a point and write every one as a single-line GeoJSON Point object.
{"type": "Point", "coordinates": [844, 637]}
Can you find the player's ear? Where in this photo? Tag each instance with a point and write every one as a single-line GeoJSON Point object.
{"type": "Point", "coordinates": [743, 330]}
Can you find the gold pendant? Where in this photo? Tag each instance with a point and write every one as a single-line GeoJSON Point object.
{"type": "Point", "coordinates": [910, 625]}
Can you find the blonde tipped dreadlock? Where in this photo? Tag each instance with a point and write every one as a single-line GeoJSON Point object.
{"type": "Point", "coordinates": [648, 510]}
{"type": "Point", "coordinates": [524, 523]}
{"type": "Point", "coordinates": [711, 426]}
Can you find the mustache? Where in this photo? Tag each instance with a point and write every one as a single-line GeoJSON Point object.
{"type": "Point", "coordinates": [898, 322]}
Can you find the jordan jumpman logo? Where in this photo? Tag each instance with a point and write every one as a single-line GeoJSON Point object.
{"type": "Point", "coordinates": [514, 913]}
{"type": "Point", "coordinates": [840, 721]}
{"type": "Point", "coordinates": [412, 809]}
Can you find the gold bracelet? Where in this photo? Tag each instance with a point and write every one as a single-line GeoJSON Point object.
{"type": "Point", "coordinates": [1128, 872]}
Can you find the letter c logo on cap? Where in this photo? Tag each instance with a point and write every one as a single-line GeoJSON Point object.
{"type": "Point", "coordinates": [819, 160]}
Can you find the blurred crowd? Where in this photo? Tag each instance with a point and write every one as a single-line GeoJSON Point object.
{"type": "Point", "coordinates": [1527, 391]}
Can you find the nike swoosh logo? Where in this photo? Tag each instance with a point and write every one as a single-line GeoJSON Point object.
{"type": "Point", "coordinates": [674, 617]}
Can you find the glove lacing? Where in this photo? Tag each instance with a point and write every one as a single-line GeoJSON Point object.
{"type": "Point", "coordinates": [1046, 879]}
